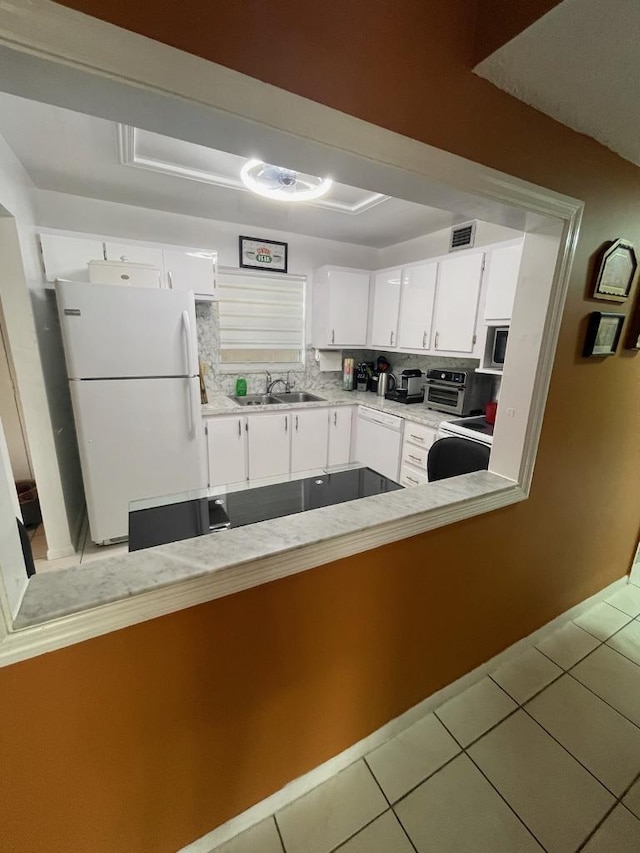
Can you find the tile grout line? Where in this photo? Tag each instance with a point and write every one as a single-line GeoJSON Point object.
{"type": "Point", "coordinates": [533, 695]}
{"type": "Point", "coordinates": [275, 820]}
{"type": "Point", "coordinates": [426, 778]}
{"type": "Point", "coordinates": [569, 753]}
{"type": "Point", "coordinates": [390, 803]}
{"type": "Point", "coordinates": [464, 752]}
{"type": "Point", "coordinates": [617, 803]}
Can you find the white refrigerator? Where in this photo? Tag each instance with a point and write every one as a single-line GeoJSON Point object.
{"type": "Point", "coordinates": [132, 365]}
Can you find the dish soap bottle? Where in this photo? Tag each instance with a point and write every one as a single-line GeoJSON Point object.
{"type": "Point", "coordinates": [241, 387]}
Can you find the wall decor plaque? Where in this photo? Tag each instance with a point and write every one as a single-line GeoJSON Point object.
{"type": "Point", "coordinates": [616, 272]}
{"type": "Point", "coordinates": [603, 334]}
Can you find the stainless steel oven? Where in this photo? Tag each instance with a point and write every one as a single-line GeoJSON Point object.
{"type": "Point", "coordinates": [457, 392]}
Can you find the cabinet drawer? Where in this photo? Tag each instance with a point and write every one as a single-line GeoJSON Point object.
{"type": "Point", "coordinates": [419, 434]}
{"type": "Point", "coordinates": [414, 455]}
{"type": "Point", "coordinates": [410, 477]}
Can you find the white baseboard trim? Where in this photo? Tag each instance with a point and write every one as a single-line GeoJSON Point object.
{"type": "Point", "coordinates": [303, 784]}
{"type": "Point", "coordinates": [57, 553]}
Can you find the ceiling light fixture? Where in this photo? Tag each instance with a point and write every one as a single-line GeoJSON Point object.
{"type": "Point", "coordinates": [282, 184]}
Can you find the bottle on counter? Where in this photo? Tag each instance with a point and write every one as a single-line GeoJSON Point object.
{"type": "Point", "coordinates": [347, 374]}
{"type": "Point", "coordinates": [241, 387]}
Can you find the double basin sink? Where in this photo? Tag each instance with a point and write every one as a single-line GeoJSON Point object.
{"type": "Point", "coordinates": [272, 400]}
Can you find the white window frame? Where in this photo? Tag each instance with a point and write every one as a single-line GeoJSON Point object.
{"type": "Point", "coordinates": [82, 63]}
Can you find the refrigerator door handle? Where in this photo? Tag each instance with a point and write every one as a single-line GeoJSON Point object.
{"type": "Point", "coordinates": [191, 361]}
{"type": "Point", "coordinates": [194, 410]}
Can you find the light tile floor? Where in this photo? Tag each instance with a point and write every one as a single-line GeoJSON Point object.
{"type": "Point", "coordinates": [87, 552]}
{"type": "Point", "coordinates": [542, 754]}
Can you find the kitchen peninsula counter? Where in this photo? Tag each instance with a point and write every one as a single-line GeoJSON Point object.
{"type": "Point", "coordinates": [221, 564]}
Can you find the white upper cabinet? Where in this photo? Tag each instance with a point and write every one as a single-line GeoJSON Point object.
{"type": "Point", "coordinates": [68, 257]}
{"type": "Point", "coordinates": [309, 439]}
{"type": "Point", "coordinates": [416, 306]}
{"type": "Point", "coordinates": [340, 308]}
{"type": "Point", "coordinates": [386, 306]}
{"type": "Point", "coordinates": [134, 253]}
{"type": "Point", "coordinates": [458, 291]}
{"type": "Point", "coordinates": [124, 273]}
{"type": "Point", "coordinates": [503, 266]}
{"type": "Point", "coordinates": [190, 269]}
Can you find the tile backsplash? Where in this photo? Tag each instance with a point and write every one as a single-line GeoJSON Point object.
{"type": "Point", "coordinates": [309, 376]}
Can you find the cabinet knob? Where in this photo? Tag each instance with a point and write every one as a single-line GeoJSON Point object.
{"type": "Point", "coordinates": [437, 337]}
{"type": "Point", "coordinates": [333, 336]}
{"type": "Point", "coordinates": [335, 419]}
{"type": "Point", "coordinates": [391, 340]}
{"type": "Point", "coordinates": [296, 423]}
{"type": "Point", "coordinates": [424, 340]}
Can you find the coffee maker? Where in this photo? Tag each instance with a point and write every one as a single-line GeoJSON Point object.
{"type": "Point", "coordinates": [409, 388]}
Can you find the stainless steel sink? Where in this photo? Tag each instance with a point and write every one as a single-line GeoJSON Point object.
{"type": "Point", "coordinates": [299, 397]}
{"type": "Point", "coordinates": [256, 400]}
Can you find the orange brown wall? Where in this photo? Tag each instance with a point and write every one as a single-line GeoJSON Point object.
{"type": "Point", "coordinates": [147, 738]}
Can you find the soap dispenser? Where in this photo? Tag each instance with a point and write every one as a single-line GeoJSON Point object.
{"type": "Point", "coordinates": [241, 387]}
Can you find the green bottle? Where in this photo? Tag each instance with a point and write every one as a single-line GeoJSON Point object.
{"type": "Point", "coordinates": [241, 387]}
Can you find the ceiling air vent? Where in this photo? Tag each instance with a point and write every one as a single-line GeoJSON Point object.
{"type": "Point", "coordinates": [462, 236]}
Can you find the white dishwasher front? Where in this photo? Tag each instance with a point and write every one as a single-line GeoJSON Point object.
{"type": "Point", "coordinates": [379, 442]}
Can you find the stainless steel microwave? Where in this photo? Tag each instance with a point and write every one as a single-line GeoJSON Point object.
{"type": "Point", "coordinates": [499, 349]}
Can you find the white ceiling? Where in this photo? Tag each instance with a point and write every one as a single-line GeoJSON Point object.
{"type": "Point", "coordinates": [82, 155]}
{"type": "Point", "coordinates": [579, 64]}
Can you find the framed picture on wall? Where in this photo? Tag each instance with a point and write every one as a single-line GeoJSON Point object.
{"type": "Point", "coordinates": [632, 340]}
{"type": "Point", "coordinates": [257, 254]}
{"type": "Point", "coordinates": [603, 334]}
{"type": "Point", "coordinates": [616, 272]}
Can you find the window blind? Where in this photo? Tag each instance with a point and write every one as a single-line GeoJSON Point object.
{"type": "Point", "coordinates": [261, 315]}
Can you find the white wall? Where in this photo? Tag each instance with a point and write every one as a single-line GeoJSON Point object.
{"type": "Point", "coordinates": [12, 566]}
{"type": "Point", "coordinates": [47, 415]}
{"type": "Point", "coordinates": [10, 415]}
{"type": "Point", "coordinates": [105, 218]}
{"type": "Point", "coordinates": [433, 245]}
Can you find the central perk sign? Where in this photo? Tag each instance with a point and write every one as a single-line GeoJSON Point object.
{"type": "Point", "coordinates": [263, 254]}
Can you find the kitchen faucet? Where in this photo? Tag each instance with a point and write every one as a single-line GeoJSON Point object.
{"type": "Point", "coordinates": [272, 383]}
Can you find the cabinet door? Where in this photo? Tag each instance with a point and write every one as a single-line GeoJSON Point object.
{"type": "Point", "coordinates": [190, 270]}
{"type": "Point", "coordinates": [386, 304]}
{"type": "Point", "coordinates": [416, 306]}
{"type": "Point", "coordinates": [502, 278]}
{"type": "Point", "coordinates": [348, 295]}
{"type": "Point", "coordinates": [309, 438]}
{"type": "Point", "coordinates": [340, 435]}
{"type": "Point", "coordinates": [457, 295]}
{"type": "Point", "coordinates": [269, 444]}
{"type": "Point", "coordinates": [134, 254]}
{"type": "Point", "coordinates": [226, 444]}
{"type": "Point", "coordinates": [68, 257]}
{"type": "Point", "coordinates": [125, 274]}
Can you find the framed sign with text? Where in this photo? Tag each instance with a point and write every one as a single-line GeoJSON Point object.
{"type": "Point", "coordinates": [259, 254]}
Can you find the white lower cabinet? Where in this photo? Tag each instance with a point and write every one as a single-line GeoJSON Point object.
{"type": "Point", "coordinates": [340, 421]}
{"type": "Point", "coordinates": [309, 439]}
{"type": "Point", "coordinates": [418, 438]}
{"type": "Point", "coordinates": [269, 444]}
{"type": "Point", "coordinates": [227, 450]}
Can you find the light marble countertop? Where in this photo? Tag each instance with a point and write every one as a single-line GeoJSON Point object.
{"type": "Point", "coordinates": [220, 404]}
{"type": "Point", "coordinates": [236, 559]}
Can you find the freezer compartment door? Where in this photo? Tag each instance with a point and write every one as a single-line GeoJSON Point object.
{"type": "Point", "coordinates": [138, 438]}
{"type": "Point", "coordinates": [112, 332]}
